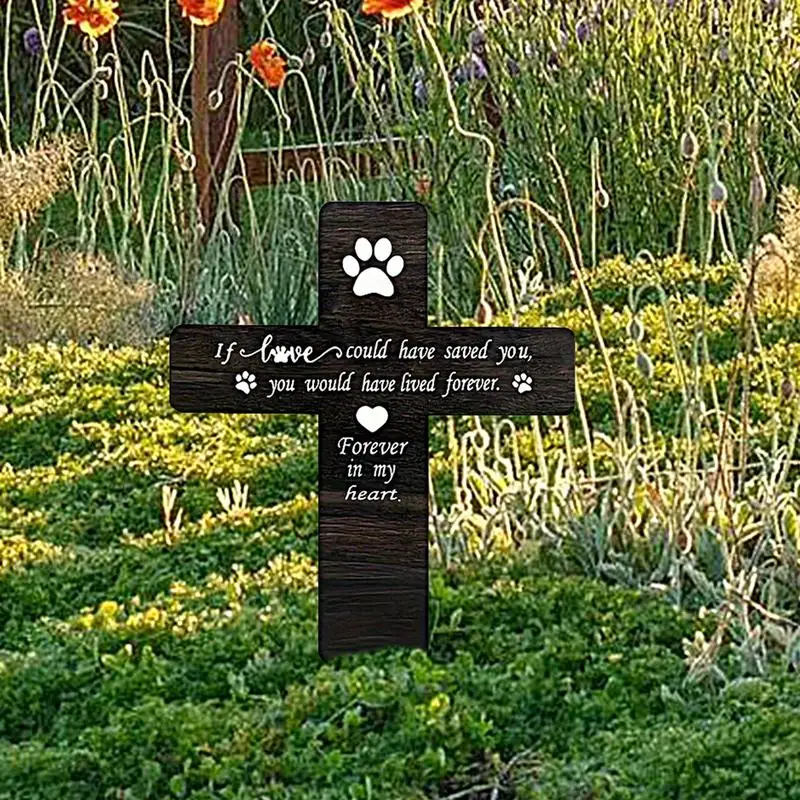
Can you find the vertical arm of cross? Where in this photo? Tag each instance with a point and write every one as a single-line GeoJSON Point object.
{"type": "Point", "coordinates": [373, 553]}
{"type": "Point", "coordinates": [373, 472]}
{"type": "Point", "coordinates": [373, 580]}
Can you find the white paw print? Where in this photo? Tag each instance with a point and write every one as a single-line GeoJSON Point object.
{"type": "Point", "coordinates": [522, 382]}
{"type": "Point", "coordinates": [376, 279]}
{"type": "Point", "coordinates": [246, 382]}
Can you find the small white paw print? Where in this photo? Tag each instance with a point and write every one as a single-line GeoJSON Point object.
{"type": "Point", "coordinates": [522, 382]}
{"type": "Point", "coordinates": [376, 279]}
{"type": "Point", "coordinates": [246, 382]}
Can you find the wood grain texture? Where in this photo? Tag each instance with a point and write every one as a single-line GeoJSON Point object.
{"type": "Point", "coordinates": [373, 561]}
{"type": "Point", "coordinates": [214, 130]}
{"type": "Point", "coordinates": [198, 383]}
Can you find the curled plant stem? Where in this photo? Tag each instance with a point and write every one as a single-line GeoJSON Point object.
{"type": "Point", "coordinates": [578, 272]}
{"type": "Point", "coordinates": [491, 157]}
{"type": "Point", "coordinates": [6, 115]}
{"type": "Point", "coordinates": [746, 316]}
{"type": "Point", "coordinates": [562, 182]}
{"type": "Point", "coordinates": [596, 186]}
{"type": "Point", "coordinates": [587, 433]}
{"type": "Point", "coordinates": [687, 186]}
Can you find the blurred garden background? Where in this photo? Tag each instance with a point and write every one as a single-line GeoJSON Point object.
{"type": "Point", "coordinates": [614, 594]}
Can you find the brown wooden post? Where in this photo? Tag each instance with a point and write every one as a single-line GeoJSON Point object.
{"type": "Point", "coordinates": [214, 131]}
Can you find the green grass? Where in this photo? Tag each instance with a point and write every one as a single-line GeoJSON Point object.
{"type": "Point", "coordinates": [608, 620]}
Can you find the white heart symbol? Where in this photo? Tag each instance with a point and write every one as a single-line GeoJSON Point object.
{"type": "Point", "coordinates": [372, 418]}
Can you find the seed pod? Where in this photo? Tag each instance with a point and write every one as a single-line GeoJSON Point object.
{"type": "Point", "coordinates": [689, 145]}
{"type": "Point", "coordinates": [101, 90]}
{"type": "Point", "coordinates": [717, 195]}
{"type": "Point", "coordinates": [215, 98]}
{"type": "Point", "coordinates": [309, 55]}
{"type": "Point", "coordinates": [187, 161]}
{"type": "Point", "coordinates": [787, 389]}
{"type": "Point", "coordinates": [636, 329]}
{"type": "Point", "coordinates": [602, 198]}
{"type": "Point", "coordinates": [90, 45]}
{"type": "Point", "coordinates": [326, 38]}
{"type": "Point", "coordinates": [758, 191]}
{"type": "Point", "coordinates": [644, 365]}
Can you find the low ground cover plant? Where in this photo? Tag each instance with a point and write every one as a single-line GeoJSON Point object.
{"type": "Point", "coordinates": [158, 621]}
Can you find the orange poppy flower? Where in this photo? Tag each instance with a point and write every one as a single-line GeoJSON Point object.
{"type": "Point", "coordinates": [268, 64]}
{"type": "Point", "coordinates": [202, 12]}
{"type": "Point", "coordinates": [390, 9]}
{"type": "Point", "coordinates": [95, 18]}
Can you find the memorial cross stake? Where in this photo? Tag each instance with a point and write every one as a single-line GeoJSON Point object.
{"type": "Point", "coordinates": [373, 371]}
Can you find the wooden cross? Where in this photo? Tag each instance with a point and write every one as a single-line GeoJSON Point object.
{"type": "Point", "coordinates": [373, 371]}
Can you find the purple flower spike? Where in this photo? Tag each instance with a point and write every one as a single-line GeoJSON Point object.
{"type": "Point", "coordinates": [420, 87]}
{"type": "Point", "coordinates": [583, 31]}
{"type": "Point", "coordinates": [32, 42]}
{"type": "Point", "coordinates": [473, 70]}
{"type": "Point", "coordinates": [478, 68]}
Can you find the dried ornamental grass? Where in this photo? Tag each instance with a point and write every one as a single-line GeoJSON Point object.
{"type": "Point", "coordinates": [777, 258]}
{"type": "Point", "coordinates": [29, 180]}
{"type": "Point", "coordinates": [789, 222]}
{"type": "Point", "coordinates": [74, 297]}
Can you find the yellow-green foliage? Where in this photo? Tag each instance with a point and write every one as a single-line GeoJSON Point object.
{"type": "Point", "coordinates": [672, 314]}
{"type": "Point", "coordinates": [158, 621]}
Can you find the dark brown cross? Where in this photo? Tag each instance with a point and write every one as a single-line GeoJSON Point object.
{"type": "Point", "coordinates": [373, 371]}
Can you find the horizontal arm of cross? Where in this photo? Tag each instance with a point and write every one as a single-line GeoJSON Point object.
{"type": "Point", "coordinates": [305, 369]}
